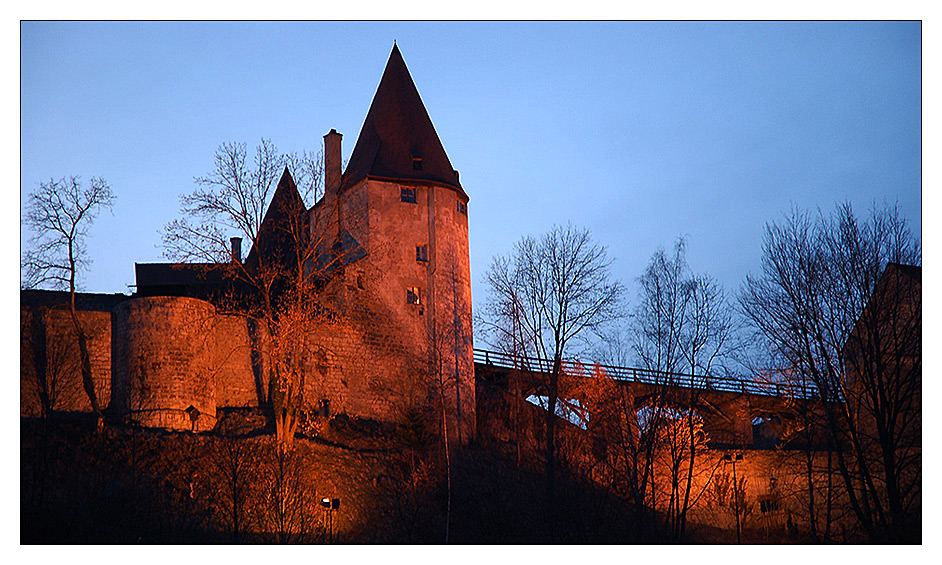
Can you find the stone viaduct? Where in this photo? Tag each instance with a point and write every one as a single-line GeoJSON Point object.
{"type": "Point", "coordinates": [736, 412]}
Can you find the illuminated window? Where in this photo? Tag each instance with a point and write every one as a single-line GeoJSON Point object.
{"type": "Point", "coordinates": [407, 195]}
{"type": "Point", "coordinates": [421, 252]}
{"type": "Point", "coordinates": [412, 295]}
{"type": "Point", "coordinates": [462, 207]}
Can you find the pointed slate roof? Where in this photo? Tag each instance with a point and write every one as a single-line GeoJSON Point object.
{"type": "Point", "coordinates": [397, 130]}
{"type": "Point", "coordinates": [274, 235]}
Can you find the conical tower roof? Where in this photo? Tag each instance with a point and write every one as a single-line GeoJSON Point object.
{"type": "Point", "coordinates": [397, 132]}
{"type": "Point", "coordinates": [275, 239]}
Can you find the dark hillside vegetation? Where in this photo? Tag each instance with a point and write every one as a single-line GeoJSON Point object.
{"type": "Point", "coordinates": [132, 485]}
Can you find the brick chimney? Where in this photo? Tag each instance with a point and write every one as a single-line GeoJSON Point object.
{"type": "Point", "coordinates": [236, 248]}
{"type": "Point", "coordinates": [332, 172]}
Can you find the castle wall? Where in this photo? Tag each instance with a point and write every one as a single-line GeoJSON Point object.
{"type": "Point", "coordinates": [452, 284]}
{"type": "Point", "coordinates": [410, 351]}
{"type": "Point", "coordinates": [364, 366]}
{"type": "Point", "coordinates": [240, 376]}
{"type": "Point", "coordinates": [378, 357]}
{"type": "Point", "coordinates": [774, 492]}
{"type": "Point", "coordinates": [164, 362]}
{"type": "Point", "coordinates": [49, 359]}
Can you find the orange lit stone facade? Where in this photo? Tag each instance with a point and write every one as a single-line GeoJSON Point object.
{"type": "Point", "coordinates": [407, 353]}
{"type": "Point", "coordinates": [49, 346]}
{"type": "Point", "coordinates": [157, 359]}
{"type": "Point", "coordinates": [399, 336]}
{"type": "Point", "coordinates": [165, 362]}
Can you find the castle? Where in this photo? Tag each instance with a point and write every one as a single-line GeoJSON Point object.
{"type": "Point", "coordinates": [171, 356]}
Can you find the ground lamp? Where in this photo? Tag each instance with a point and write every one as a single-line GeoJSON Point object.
{"type": "Point", "coordinates": [329, 505]}
{"type": "Point", "coordinates": [733, 459]}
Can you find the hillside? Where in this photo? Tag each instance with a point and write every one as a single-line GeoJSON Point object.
{"type": "Point", "coordinates": [134, 485]}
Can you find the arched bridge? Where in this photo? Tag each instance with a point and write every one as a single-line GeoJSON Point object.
{"type": "Point", "coordinates": [729, 405]}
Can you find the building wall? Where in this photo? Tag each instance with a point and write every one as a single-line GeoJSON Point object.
{"type": "Point", "coordinates": [430, 343]}
{"type": "Point", "coordinates": [384, 354]}
{"type": "Point", "coordinates": [164, 362]}
{"type": "Point", "coordinates": [240, 375]}
{"type": "Point", "coordinates": [377, 357]}
{"type": "Point", "coordinates": [775, 492]}
{"type": "Point", "coordinates": [49, 357]}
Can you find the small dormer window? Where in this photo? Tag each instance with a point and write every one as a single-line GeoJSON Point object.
{"type": "Point", "coordinates": [417, 163]}
{"type": "Point", "coordinates": [407, 195]}
{"type": "Point", "coordinates": [463, 208]}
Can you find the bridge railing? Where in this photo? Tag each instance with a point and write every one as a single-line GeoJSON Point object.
{"type": "Point", "coordinates": [645, 376]}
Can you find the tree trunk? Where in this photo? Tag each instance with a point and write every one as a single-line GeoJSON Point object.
{"type": "Point", "coordinates": [553, 397]}
{"type": "Point", "coordinates": [86, 367]}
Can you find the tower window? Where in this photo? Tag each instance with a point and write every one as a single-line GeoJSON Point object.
{"type": "Point", "coordinates": [412, 295]}
{"type": "Point", "coordinates": [421, 252]}
{"type": "Point", "coordinates": [407, 195]}
{"type": "Point", "coordinates": [463, 208]}
{"type": "Point", "coordinates": [416, 164]}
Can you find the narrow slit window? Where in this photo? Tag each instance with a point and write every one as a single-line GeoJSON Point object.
{"type": "Point", "coordinates": [421, 252]}
{"type": "Point", "coordinates": [407, 195]}
{"type": "Point", "coordinates": [412, 295]}
{"type": "Point", "coordinates": [463, 208]}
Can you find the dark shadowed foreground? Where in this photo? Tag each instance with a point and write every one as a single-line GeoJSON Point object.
{"type": "Point", "coordinates": [132, 485]}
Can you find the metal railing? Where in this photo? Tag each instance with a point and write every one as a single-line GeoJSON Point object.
{"type": "Point", "coordinates": [644, 376]}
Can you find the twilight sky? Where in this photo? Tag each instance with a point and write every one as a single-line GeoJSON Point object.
{"type": "Point", "coordinates": [640, 131]}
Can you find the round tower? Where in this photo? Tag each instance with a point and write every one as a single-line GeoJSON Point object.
{"type": "Point", "coordinates": [164, 362]}
{"type": "Point", "coordinates": [400, 217]}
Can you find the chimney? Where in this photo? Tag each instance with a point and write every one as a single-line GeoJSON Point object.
{"type": "Point", "coordinates": [332, 172]}
{"type": "Point", "coordinates": [236, 249]}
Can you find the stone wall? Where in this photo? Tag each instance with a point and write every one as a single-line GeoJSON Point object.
{"type": "Point", "coordinates": [49, 359]}
{"type": "Point", "coordinates": [241, 376]}
{"type": "Point", "coordinates": [376, 356]}
{"type": "Point", "coordinates": [164, 362]}
{"type": "Point", "coordinates": [425, 349]}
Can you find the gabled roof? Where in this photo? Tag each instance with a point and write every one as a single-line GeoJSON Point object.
{"type": "Point", "coordinates": [396, 131]}
{"type": "Point", "coordinates": [275, 234]}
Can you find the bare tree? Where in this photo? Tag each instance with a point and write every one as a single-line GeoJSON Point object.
{"type": "Point", "coordinates": [59, 213]}
{"type": "Point", "coordinates": [683, 325]}
{"type": "Point", "coordinates": [838, 302]}
{"type": "Point", "coordinates": [288, 500]}
{"type": "Point", "coordinates": [276, 286]}
{"type": "Point", "coordinates": [548, 296]}
{"type": "Point", "coordinates": [233, 459]}
{"type": "Point", "coordinates": [448, 340]}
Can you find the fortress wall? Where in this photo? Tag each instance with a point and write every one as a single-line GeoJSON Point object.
{"type": "Point", "coordinates": [165, 362]}
{"type": "Point", "coordinates": [234, 374]}
{"type": "Point", "coordinates": [779, 477]}
{"type": "Point", "coordinates": [452, 282]}
{"type": "Point", "coordinates": [363, 367]}
{"type": "Point", "coordinates": [49, 354]}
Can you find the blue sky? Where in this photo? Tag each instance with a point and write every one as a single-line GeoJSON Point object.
{"type": "Point", "coordinates": [641, 131]}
